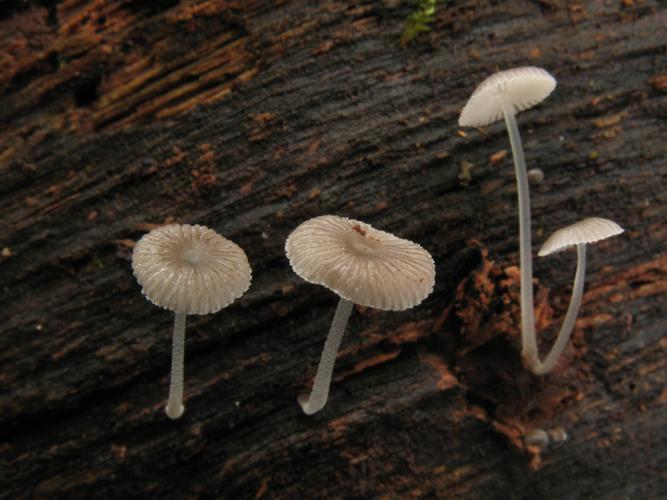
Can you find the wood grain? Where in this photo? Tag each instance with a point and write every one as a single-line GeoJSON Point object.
{"type": "Point", "coordinates": [252, 116]}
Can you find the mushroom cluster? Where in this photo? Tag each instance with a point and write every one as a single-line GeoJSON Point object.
{"type": "Point", "coordinates": [501, 96]}
{"type": "Point", "coordinates": [193, 270]}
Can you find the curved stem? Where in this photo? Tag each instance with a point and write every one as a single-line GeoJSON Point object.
{"type": "Point", "coordinates": [528, 340]}
{"type": "Point", "coordinates": [570, 316]}
{"type": "Point", "coordinates": [175, 406]}
{"type": "Point", "coordinates": [320, 392]}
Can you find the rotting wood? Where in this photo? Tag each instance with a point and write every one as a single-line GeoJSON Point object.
{"type": "Point", "coordinates": [252, 116]}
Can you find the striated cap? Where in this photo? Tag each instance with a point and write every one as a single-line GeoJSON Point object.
{"type": "Point", "coordinates": [585, 231]}
{"type": "Point", "coordinates": [522, 87]}
{"type": "Point", "coordinates": [190, 269]}
{"type": "Point", "coordinates": [361, 264]}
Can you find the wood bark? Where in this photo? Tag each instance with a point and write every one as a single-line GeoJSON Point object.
{"type": "Point", "coordinates": [250, 117]}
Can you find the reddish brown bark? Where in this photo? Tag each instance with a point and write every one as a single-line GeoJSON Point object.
{"type": "Point", "coordinates": [251, 117]}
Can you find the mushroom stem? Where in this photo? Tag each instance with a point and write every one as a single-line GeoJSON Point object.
{"type": "Point", "coordinates": [175, 406]}
{"type": "Point", "coordinates": [528, 340]}
{"type": "Point", "coordinates": [570, 316]}
{"type": "Point", "coordinates": [320, 392]}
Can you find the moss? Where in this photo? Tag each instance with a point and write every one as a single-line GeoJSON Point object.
{"type": "Point", "coordinates": [420, 20]}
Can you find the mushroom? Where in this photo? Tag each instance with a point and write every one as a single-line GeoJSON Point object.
{"type": "Point", "coordinates": [535, 176]}
{"type": "Point", "coordinates": [538, 438]}
{"type": "Point", "coordinates": [502, 95]}
{"type": "Point", "coordinates": [579, 234]}
{"type": "Point", "coordinates": [188, 270]}
{"type": "Point", "coordinates": [363, 266]}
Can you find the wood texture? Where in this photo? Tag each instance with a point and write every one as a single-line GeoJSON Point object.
{"type": "Point", "coordinates": [250, 117]}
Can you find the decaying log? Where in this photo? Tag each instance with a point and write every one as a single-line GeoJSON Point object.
{"type": "Point", "coordinates": [250, 117]}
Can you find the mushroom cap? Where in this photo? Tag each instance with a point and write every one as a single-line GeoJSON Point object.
{"type": "Point", "coordinates": [360, 263]}
{"type": "Point", "coordinates": [523, 87]}
{"type": "Point", "coordinates": [190, 269]}
{"type": "Point", "coordinates": [585, 231]}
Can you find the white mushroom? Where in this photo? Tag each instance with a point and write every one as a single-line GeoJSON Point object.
{"type": "Point", "coordinates": [535, 176]}
{"type": "Point", "coordinates": [362, 265]}
{"type": "Point", "coordinates": [502, 95]}
{"type": "Point", "coordinates": [579, 234]}
{"type": "Point", "coordinates": [538, 438]}
{"type": "Point", "coordinates": [188, 270]}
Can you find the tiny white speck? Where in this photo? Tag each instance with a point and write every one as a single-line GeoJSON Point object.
{"type": "Point", "coordinates": [558, 435]}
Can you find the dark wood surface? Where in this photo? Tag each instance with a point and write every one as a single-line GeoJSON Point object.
{"type": "Point", "coordinates": [250, 117]}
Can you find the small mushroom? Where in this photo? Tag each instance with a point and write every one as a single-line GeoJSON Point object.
{"type": "Point", "coordinates": [580, 234]}
{"type": "Point", "coordinates": [502, 95]}
{"type": "Point", "coordinates": [544, 439]}
{"type": "Point", "coordinates": [538, 438]}
{"type": "Point", "coordinates": [188, 270]}
{"type": "Point", "coordinates": [363, 266]}
{"type": "Point", "coordinates": [535, 176]}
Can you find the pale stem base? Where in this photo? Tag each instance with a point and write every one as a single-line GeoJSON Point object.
{"type": "Point", "coordinates": [528, 340]}
{"type": "Point", "coordinates": [540, 368]}
{"type": "Point", "coordinates": [175, 406]}
{"type": "Point", "coordinates": [529, 352]}
{"type": "Point", "coordinates": [320, 392]}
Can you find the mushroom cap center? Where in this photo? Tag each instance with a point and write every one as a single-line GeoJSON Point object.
{"type": "Point", "coordinates": [362, 243]}
{"type": "Point", "coordinates": [193, 254]}
{"type": "Point", "coordinates": [190, 269]}
{"type": "Point", "coordinates": [361, 264]}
